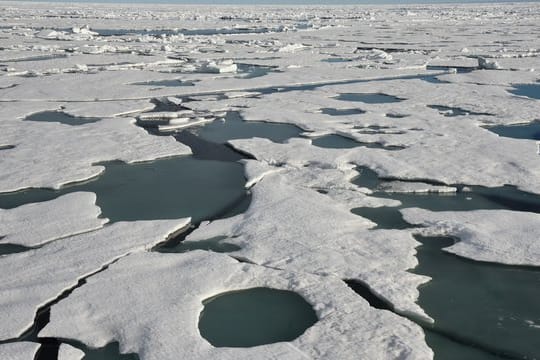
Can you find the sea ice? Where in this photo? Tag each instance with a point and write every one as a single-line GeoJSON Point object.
{"type": "Point", "coordinates": [34, 224]}
{"type": "Point", "coordinates": [502, 236]}
{"type": "Point", "coordinates": [291, 227]}
{"type": "Point", "coordinates": [69, 154]}
{"type": "Point", "coordinates": [165, 324]}
{"type": "Point", "coordinates": [36, 277]}
{"type": "Point", "coordinates": [23, 350]}
{"type": "Point", "coordinates": [68, 352]}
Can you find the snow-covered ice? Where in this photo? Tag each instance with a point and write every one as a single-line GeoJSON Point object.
{"type": "Point", "coordinates": [412, 90]}
{"type": "Point", "coordinates": [165, 325]}
{"type": "Point", "coordinates": [23, 350]}
{"type": "Point", "coordinates": [36, 277]}
{"type": "Point", "coordinates": [68, 352]}
{"type": "Point", "coordinates": [56, 163]}
{"type": "Point", "coordinates": [290, 227]}
{"type": "Point", "coordinates": [502, 236]}
{"type": "Point", "coordinates": [35, 224]}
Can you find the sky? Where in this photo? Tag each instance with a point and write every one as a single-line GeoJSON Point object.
{"type": "Point", "coordinates": [296, 2]}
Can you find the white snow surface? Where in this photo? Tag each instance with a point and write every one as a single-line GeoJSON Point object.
{"type": "Point", "coordinates": [165, 325]}
{"type": "Point", "coordinates": [23, 350]}
{"type": "Point", "coordinates": [68, 352]}
{"type": "Point", "coordinates": [502, 236]}
{"type": "Point", "coordinates": [34, 224]}
{"type": "Point", "coordinates": [36, 277]}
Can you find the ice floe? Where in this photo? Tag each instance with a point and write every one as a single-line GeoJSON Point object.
{"type": "Point", "coordinates": [290, 227]}
{"type": "Point", "coordinates": [74, 158]}
{"type": "Point", "coordinates": [68, 352]}
{"type": "Point", "coordinates": [502, 236]}
{"type": "Point", "coordinates": [38, 223]}
{"type": "Point", "coordinates": [155, 331]}
{"type": "Point", "coordinates": [37, 277]}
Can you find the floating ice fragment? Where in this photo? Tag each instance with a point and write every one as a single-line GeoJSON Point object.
{"type": "Point", "coordinates": [501, 236]}
{"type": "Point", "coordinates": [291, 48]}
{"type": "Point", "coordinates": [224, 66]}
{"type": "Point", "coordinates": [35, 224]}
{"type": "Point", "coordinates": [488, 64]}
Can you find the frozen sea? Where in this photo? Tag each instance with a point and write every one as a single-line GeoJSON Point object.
{"type": "Point", "coordinates": [269, 182]}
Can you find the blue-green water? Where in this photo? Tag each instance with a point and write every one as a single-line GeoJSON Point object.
{"type": "Point", "coordinates": [163, 189]}
{"type": "Point", "coordinates": [218, 244]}
{"type": "Point", "coordinates": [481, 310]}
{"type": "Point", "coordinates": [6, 249]}
{"type": "Point", "coordinates": [333, 141]}
{"type": "Point", "coordinates": [255, 317]}
{"type": "Point", "coordinates": [234, 127]}
{"type": "Point", "coordinates": [489, 306]}
{"type": "Point", "coordinates": [455, 111]}
{"type": "Point", "coordinates": [529, 90]}
{"type": "Point", "coordinates": [166, 83]}
{"type": "Point", "coordinates": [521, 131]}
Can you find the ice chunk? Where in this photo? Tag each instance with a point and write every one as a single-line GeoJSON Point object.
{"type": "Point", "coordinates": [488, 64]}
{"type": "Point", "coordinates": [68, 352]}
{"type": "Point", "coordinates": [224, 66]}
{"type": "Point", "coordinates": [414, 187]}
{"type": "Point", "coordinates": [291, 48]}
{"type": "Point", "coordinates": [500, 236]}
